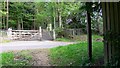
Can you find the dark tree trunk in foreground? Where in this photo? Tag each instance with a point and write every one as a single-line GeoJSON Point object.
{"type": "Point", "coordinates": [89, 36]}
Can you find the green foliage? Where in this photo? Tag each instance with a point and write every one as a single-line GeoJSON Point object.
{"type": "Point", "coordinates": [2, 13]}
{"type": "Point", "coordinates": [94, 8]}
{"type": "Point", "coordinates": [75, 54]}
{"type": "Point", "coordinates": [21, 12]}
{"type": "Point", "coordinates": [60, 32]}
{"type": "Point", "coordinates": [33, 15]}
{"type": "Point", "coordinates": [0, 25]}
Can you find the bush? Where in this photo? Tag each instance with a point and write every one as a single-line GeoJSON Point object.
{"type": "Point", "coordinates": [60, 33]}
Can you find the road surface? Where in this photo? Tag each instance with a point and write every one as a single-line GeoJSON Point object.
{"type": "Point", "coordinates": [24, 45]}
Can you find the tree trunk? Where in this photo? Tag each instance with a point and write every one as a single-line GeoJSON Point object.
{"type": "Point", "coordinates": [19, 27]}
{"type": "Point", "coordinates": [3, 22]}
{"type": "Point", "coordinates": [60, 21]}
{"type": "Point", "coordinates": [7, 14]}
{"type": "Point", "coordinates": [54, 23]}
{"type": "Point", "coordinates": [89, 33]}
{"type": "Point", "coordinates": [54, 19]}
{"type": "Point", "coordinates": [59, 16]}
{"type": "Point", "coordinates": [4, 16]}
{"type": "Point", "coordinates": [34, 24]}
{"type": "Point", "coordinates": [89, 36]}
{"type": "Point", "coordinates": [22, 24]}
{"type": "Point", "coordinates": [1, 16]}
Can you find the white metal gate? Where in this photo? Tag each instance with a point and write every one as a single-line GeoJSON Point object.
{"type": "Point", "coordinates": [25, 34]}
{"type": "Point", "coordinates": [30, 35]}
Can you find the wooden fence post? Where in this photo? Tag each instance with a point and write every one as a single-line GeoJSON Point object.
{"type": "Point", "coordinates": [40, 33]}
{"type": "Point", "coordinates": [9, 33]}
{"type": "Point", "coordinates": [54, 36]}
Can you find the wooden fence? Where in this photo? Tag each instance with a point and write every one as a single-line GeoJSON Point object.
{"type": "Point", "coordinates": [24, 34]}
{"type": "Point", "coordinates": [41, 34]}
{"type": "Point", "coordinates": [74, 31]}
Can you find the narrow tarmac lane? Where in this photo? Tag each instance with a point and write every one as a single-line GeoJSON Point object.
{"type": "Point", "coordinates": [24, 45]}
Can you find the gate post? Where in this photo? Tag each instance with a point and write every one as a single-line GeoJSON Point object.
{"type": "Point", "coordinates": [40, 33]}
{"type": "Point", "coordinates": [9, 33]}
{"type": "Point", "coordinates": [54, 36]}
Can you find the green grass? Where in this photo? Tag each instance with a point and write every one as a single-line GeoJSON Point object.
{"type": "Point", "coordinates": [10, 59]}
{"type": "Point", "coordinates": [80, 38]}
{"type": "Point", "coordinates": [5, 41]}
{"type": "Point", "coordinates": [95, 37]}
{"type": "Point", "coordinates": [75, 54]}
{"type": "Point", "coordinates": [63, 39]}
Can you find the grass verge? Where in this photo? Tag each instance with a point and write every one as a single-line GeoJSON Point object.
{"type": "Point", "coordinates": [11, 59]}
{"type": "Point", "coordinates": [5, 41]}
{"type": "Point", "coordinates": [75, 54]}
{"type": "Point", "coordinates": [63, 39]}
{"type": "Point", "coordinates": [81, 38]}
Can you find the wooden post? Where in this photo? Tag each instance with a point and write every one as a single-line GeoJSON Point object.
{"type": "Point", "coordinates": [50, 27]}
{"type": "Point", "coordinates": [9, 33]}
{"type": "Point", "coordinates": [111, 19]}
{"type": "Point", "coordinates": [73, 32]}
{"type": "Point", "coordinates": [89, 33]}
{"type": "Point", "coordinates": [40, 33]}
